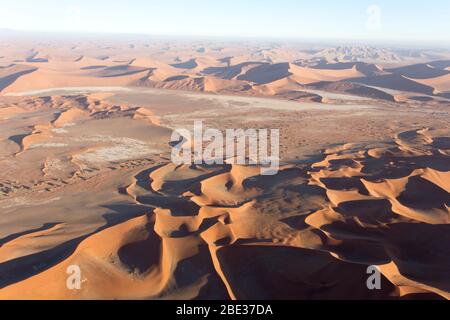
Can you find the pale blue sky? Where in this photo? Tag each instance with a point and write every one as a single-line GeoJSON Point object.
{"type": "Point", "coordinates": [303, 19]}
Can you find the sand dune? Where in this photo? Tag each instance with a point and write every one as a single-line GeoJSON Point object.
{"type": "Point", "coordinates": [8, 75]}
{"type": "Point", "coordinates": [306, 75]}
{"type": "Point", "coordinates": [266, 73]}
{"type": "Point", "coordinates": [181, 82]}
{"type": "Point", "coordinates": [395, 82]}
{"type": "Point", "coordinates": [439, 83]}
{"type": "Point", "coordinates": [191, 64]}
{"type": "Point", "coordinates": [116, 71]}
{"type": "Point", "coordinates": [87, 180]}
{"type": "Point", "coordinates": [358, 206]}
{"type": "Point", "coordinates": [230, 72]}
{"type": "Point", "coordinates": [441, 64]}
{"type": "Point", "coordinates": [419, 71]}
{"type": "Point", "coordinates": [247, 70]}
{"type": "Point", "coordinates": [353, 88]}
{"type": "Point", "coordinates": [46, 78]}
{"type": "Point", "coordinates": [218, 85]}
{"type": "Point", "coordinates": [366, 69]}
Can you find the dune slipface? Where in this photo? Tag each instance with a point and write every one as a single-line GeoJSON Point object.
{"type": "Point", "coordinates": [88, 182]}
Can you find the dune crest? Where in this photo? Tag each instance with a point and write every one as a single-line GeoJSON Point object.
{"type": "Point", "coordinates": [358, 206]}
{"type": "Point", "coordinates": [379, 73]}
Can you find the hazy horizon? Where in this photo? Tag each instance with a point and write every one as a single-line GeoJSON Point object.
{"type": "Point", "coordinates": [370, 21]}
{"type": "Point", "coordinates": [117, 36]}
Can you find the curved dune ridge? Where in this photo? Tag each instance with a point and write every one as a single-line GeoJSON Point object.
{"type": "Point", "coordinates": [226, 232]}
{"type": "Point", "coordinates": [274, 71]}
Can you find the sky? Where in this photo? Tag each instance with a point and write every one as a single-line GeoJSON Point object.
{"type": "Point", "coordinates": [393, 20]}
